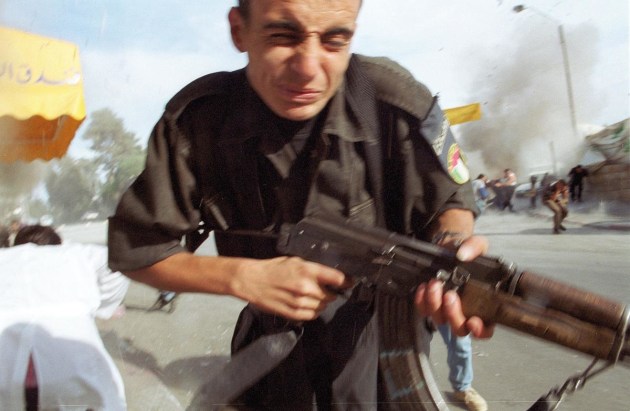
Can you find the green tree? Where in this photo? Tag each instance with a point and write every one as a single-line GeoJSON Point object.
{"type": "Point", "coordinates": [118, 156]}
{"type": "Point", "coordinates": [72, 186]}
{"type": "Point", "coordinates": [119, 180]}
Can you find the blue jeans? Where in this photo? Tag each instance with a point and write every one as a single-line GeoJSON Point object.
{"type": "Point", "coordinates": [481, 204]}
{"type": "Point", "coordinates": [458, 358]}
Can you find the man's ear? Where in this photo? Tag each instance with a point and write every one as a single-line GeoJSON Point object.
{"type": "Point", "coordinates": [236, 28]}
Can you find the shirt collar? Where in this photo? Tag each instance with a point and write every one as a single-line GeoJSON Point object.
{"type": "Point", "coordinates": [351, 115]}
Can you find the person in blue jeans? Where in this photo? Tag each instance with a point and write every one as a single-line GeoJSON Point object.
{"type": "Point", "coordinates": [459, 360]}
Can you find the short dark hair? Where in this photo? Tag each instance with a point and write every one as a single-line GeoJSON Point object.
{"type": "Point", "coordinates": [37, 234]}
{"type": "Point", "coordinates": [243, 6]}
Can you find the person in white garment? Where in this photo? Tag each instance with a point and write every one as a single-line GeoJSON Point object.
{"type": "Point", "coordinates": [51, 354]}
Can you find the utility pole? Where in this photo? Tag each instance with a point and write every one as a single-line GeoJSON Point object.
{"type": "Point", "coordinates": [565, 60]}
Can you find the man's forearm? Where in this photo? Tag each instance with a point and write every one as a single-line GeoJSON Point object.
{"type": "Point", "coordinates": [186, 272]}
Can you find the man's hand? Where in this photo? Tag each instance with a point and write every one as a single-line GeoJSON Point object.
{"type": "Point", "coordinates": [289, 286]}
{"type": "Point", "coordinates": [442, 307]}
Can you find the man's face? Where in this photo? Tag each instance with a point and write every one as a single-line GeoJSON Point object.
{"type": "Point", "coordinates": [298, 51]}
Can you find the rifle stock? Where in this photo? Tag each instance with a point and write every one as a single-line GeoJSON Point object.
{"type": "Point", "coordinates": [489, 287]}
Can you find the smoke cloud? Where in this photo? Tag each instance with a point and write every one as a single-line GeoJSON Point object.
{"type": "Point", "coordinates": [17, 182]}
{"type": "Point", "coordinates": [526, 123]}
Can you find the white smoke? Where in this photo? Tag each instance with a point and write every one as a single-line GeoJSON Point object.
{"type": "Point", "coordinates": [17, 182]}
{"type": "Point", "coordinates": [526, 123]}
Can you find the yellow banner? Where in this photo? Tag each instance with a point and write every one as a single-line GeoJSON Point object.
{"type": "Point", "coordinates": [463, 114]}
{"type": "Point", "coordinates": [41, 95]}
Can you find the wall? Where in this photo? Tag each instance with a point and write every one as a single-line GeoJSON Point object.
{"type": "Point", "coordinates": [610, 182]}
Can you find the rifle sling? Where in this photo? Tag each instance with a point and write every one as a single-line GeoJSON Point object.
{"type": "Point", "coordinates": [244, 369]}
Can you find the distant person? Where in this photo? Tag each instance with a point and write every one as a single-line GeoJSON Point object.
{"type": "Point", "coordinates": [576, 182]}
{"type": "Point", "coordinates": [556, 197]}
{"type": "Point", "coordinates": [504, 189]}
{"type": "Point", "coordinates": [509, 177]}
{"type": "Point", "coordinates": [533, 192]}
{"type": "Point", "coordinates": [546, 181]}
{"type": "Point", "coordinates": [14, 227]}
{"type": "Point", "coordinates": [480, 191]}
{"type": "Point", "coordinates": [165, 298]}
{"type": "Point", "coordinates": [51, 354]}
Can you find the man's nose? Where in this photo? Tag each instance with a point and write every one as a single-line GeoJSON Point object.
{"type": "Point", "coordinates": [307, 58]}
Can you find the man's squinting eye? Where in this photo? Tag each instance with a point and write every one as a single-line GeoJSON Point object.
{"type": "Point", "coordinates": [286, 38]}
{"type": "Point", "coordinates": [335, 41]}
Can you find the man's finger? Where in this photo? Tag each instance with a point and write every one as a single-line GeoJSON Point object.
{"type": "Point", "coordinates": [428, 299]}
{"type": "Point", "coordinates": [472, 248]}
{"type": "Point", "coordinates": [327, 275]}
{"type": "Point", "coordinates": [453, 311]}
{"type": "Point", "coordinates": [478, 328]}
{"type": "Point", "coordinates": [461, 325]}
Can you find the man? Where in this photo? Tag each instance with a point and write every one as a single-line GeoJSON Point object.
{"type": "Point", "coordinates": [556, 198]}
{"type": "Point", "coordinates": [576, 182]}
{"type": "Point", "coordinates": [14, 227]}
{"type": "Point", "coordinates": [505, 189]}
{"type": "Point", "coordinates": [305, 128]}
{"type": "Point", "coordinates": [480, 191]}
{"type": "Point", "coordinates": [51, 353]}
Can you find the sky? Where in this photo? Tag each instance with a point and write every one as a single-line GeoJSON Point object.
{"type": "Point", "coordinates": [136, 54]}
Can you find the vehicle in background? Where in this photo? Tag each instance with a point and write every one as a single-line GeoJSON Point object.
{"type": "Point", "coordinates": [89, 216]}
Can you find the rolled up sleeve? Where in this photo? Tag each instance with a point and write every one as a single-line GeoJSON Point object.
{"type": "Point", "coordinates": [158, 208]}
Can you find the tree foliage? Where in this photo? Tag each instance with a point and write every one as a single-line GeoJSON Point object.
{"type": "Point", "coordinates": [71, 189]}
{"type": "Point", "coordinates": [109, 140]}
{"type": "Point", "coordinates": [95, 184]}
{"type": "Point", "coordinates": [119, 157]}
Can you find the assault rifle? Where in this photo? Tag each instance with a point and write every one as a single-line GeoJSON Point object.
{"type": "Point", "coordinates": [490, 288]}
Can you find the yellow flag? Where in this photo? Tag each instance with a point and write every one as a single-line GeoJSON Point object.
{"type": "Point", "coordinates": [463, 114]}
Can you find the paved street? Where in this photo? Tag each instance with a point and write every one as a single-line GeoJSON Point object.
{"type": "Point", "coordinates": [164, 356]}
